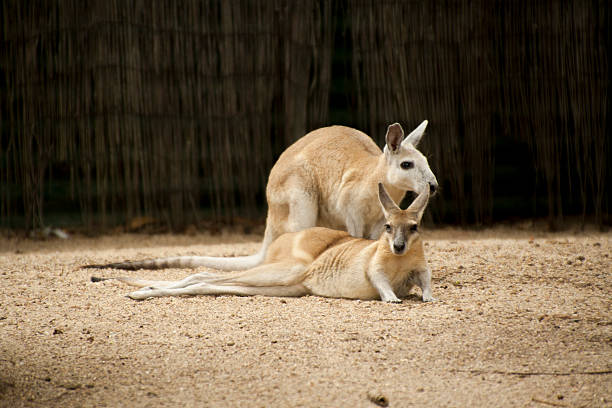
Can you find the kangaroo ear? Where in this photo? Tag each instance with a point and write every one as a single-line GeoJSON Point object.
{"type": "Point", "coordinates": [415, 136]}
{"type": "Point", "coordinates": [394, 137]}
{"type": "Point", "coordinates": [386, 202]}
{"type": "Point", "coordinates": [419, 204]}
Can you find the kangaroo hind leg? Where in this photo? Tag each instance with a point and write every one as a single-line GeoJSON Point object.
{"type": "Point", "coordinates": [278, 279]}
{"type": "Point", "coordinates": [212, 289]}
{"type": "Point", "coordinates": [274, 274]}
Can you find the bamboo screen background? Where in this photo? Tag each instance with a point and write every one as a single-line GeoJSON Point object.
{"type": "Point", "coordinates": [178, 109]}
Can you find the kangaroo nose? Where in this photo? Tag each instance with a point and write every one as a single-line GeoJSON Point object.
{"type": "Point", "coordinates": [432, 188]}
{"type": "Point", "coordinates": [399, 247]}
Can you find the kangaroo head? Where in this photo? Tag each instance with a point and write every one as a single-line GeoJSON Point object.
{"type": "Point", "coordinates": [402, 226]}
{"type": "Point", "coordinates": [407, 168]}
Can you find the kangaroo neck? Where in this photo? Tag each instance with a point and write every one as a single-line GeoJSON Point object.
{"type": "Point", "coordinates": [379, 175]}
{"type": "Point", "coordinates": [390, 261]}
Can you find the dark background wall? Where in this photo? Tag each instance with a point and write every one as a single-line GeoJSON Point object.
{"type": "Point", "coordinates": [178, 109]}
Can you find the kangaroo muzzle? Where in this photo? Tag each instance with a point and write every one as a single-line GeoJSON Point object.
{"type": "Point", "coordinates": [399, 247]}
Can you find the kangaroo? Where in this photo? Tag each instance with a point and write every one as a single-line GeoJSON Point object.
{"type": "Point", "coordinates": [327, 178]}
{"type": "Point", "coordinates": [323, 262]}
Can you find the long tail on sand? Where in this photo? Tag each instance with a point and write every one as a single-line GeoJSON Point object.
{"type": "Point", "coordinates": [234, 263]}
{"type": "Point", "coordinates": [132, 281]}
{"type": "Point", "coordinates": [228, 264]}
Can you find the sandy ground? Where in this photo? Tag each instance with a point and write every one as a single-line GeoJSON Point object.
{"type": "Point", "coordinates": [523, 320]}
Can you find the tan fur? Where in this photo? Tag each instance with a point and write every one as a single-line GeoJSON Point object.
{"type": "Point", "coordinates": [324, 262]}
{"type": "Point", "coordinates": [327, 178]}
{"type": "Point", "coordinates": [337, 169]}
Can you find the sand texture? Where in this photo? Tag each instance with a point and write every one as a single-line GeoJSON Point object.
{"type": "Point", "coordinates": [523, 320]}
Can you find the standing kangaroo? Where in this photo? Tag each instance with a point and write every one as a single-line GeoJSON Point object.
{"type": "Point", "coordinates": [327, 178]}
{"type": "Point", "coordinates": [323, 262]}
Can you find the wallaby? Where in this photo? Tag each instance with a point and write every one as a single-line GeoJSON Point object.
{"type": "Point", "coordinates": [323, 262]}
{"type": "Point", "coordinates": [327, 178]}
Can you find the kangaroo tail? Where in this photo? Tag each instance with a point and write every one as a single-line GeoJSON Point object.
{"type": "Point", "coordinates": [141, 283]}
{"type": "Point", "coordinates": [234, 263]}
{"type": "Point", "coordinates": [237, 263]}
{"type": "Point", "coordinates": [240, 263]}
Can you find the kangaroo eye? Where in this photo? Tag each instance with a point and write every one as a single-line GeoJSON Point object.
{"type": "Point", "coordinates": [388, 228]}
{"type": "Point", "coordinates": [414, 228]}
{"type": "Point", "coordinates": [407, 165]}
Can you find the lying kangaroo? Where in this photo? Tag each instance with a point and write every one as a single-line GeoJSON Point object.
{"type": "Point", "coordinates": [323, 262]}
{"type": "Point", "coordinates": [327, 178]}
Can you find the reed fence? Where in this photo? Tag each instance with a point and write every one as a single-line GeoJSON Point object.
{"type": "Point", "coordinates": [177, 110]}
